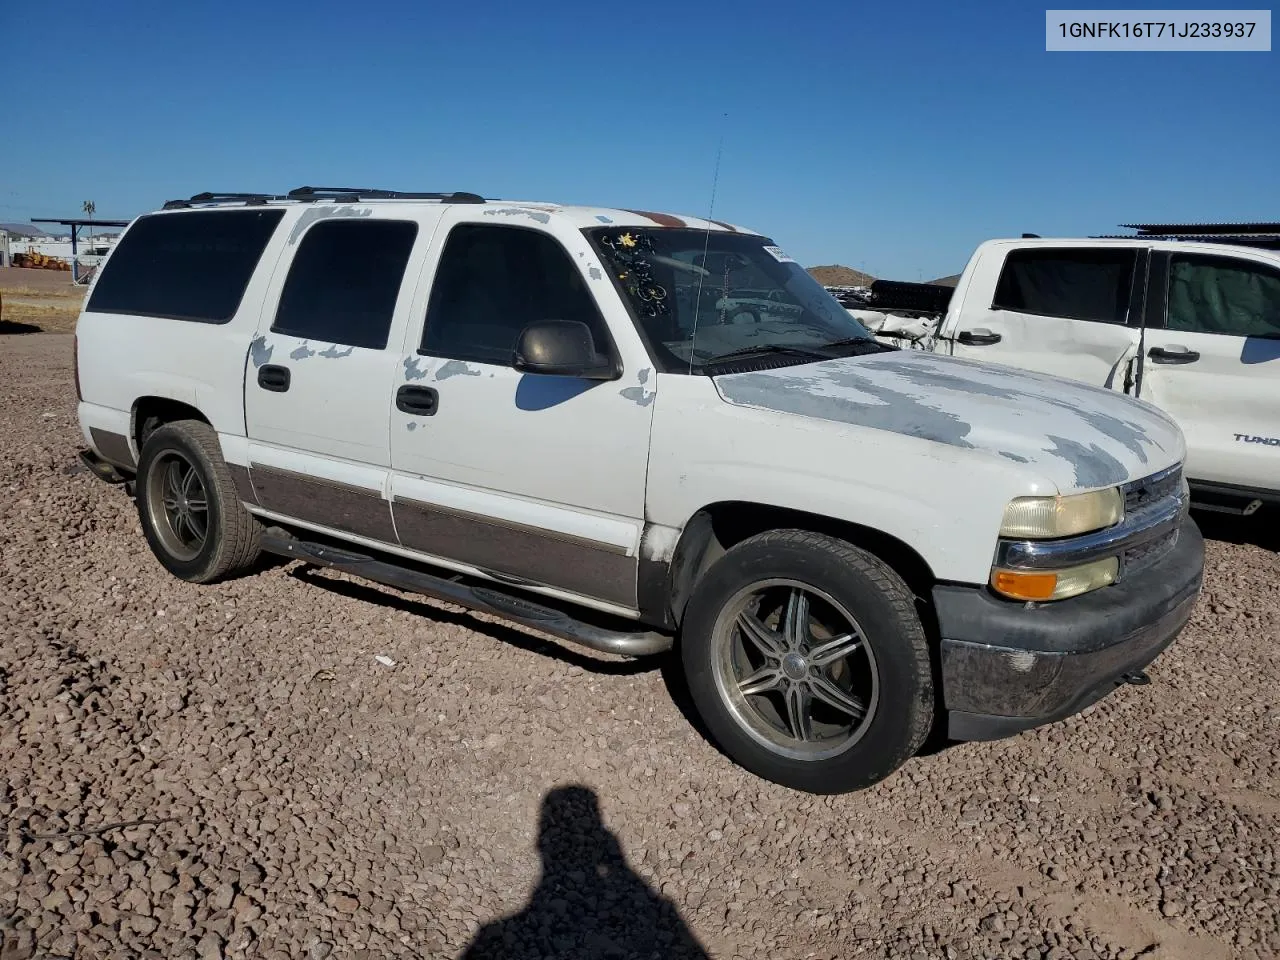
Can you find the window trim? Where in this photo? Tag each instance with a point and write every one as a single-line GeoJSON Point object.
{"type": "Point", "coordinates": [404, 275]}
{"type": "Point", "coordinates": [184, 318]}
{"type": "Point", "coordinates": [1126, 321]}
{"type": "Point", "coordinates": [1171, 255]}
{"type": "Point", "coordinates": [608, 348]}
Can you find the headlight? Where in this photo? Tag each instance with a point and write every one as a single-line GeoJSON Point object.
{"type": "Point", "coordinates": [1055, 584]}
{"type": "Point", "coordinates": [1047, 518]}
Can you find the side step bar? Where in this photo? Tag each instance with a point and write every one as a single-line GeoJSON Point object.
{"type": "Point", "coordinates": [475, 596]}
{"type": "Point", "coordinates": [100, 468]}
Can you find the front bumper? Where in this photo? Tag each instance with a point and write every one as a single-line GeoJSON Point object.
{"type": "Point", "coordinates": [1008, 667]}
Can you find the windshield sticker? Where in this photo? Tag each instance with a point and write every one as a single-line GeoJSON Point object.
{"type": "Point", "coordinates": [626, 252]}
{"type": "Point", "coordinates": [777, 254]}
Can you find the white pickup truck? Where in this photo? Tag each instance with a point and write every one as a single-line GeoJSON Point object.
{"type": "Point", "coordinates": [637, 431]}
{"type": "Point", "coordinates": [1193, 328]}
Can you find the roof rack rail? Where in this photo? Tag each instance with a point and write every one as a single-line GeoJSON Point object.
{"type": "Point", "coordinates": [219, 197]}
{"type": "Point", "coordinates": [360, 193]}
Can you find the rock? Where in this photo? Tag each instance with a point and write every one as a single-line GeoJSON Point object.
{"type": "Point", "coordinates": [344, 903]}
{"type": "Point", "coordinates": [209, 947]}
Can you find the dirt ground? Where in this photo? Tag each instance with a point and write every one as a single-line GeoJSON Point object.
{"type": "Point", "coordinates": [38, 301]}
{"type": "Point", "coordinates": [207, 772]}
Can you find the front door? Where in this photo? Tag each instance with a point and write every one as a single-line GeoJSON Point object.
{"type": "Point", "coordinates": [319, 376]}
{"type": "Point", "coordinates": [1213, 363]}
{"type": "Point", "coordinates": [1071, 312]}
{"type": "Point", "coordinates": [537, 480]}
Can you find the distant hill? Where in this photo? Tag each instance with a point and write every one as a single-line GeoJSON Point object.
{"type": "Point", "coordinates": [836, 275]}
{"type": "Point", "coordinates": [23, 230]}
{"type": "Point", "coordinates": [950, 281]}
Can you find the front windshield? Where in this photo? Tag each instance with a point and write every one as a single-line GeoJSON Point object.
{"type": "Point", "coordinates": [703, 296]}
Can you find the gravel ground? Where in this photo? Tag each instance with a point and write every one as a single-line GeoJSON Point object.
{"type": "Point", "coordinates": [205, 772]}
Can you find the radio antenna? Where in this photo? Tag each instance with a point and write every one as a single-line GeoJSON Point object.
{"type": "Point", "coordinates": [706, 241]}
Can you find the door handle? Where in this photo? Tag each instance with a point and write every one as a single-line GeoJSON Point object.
{"type": "Point", "coordinates": [420, 401]}
{"type": "Point", "coordinates": [1173, 355]}
{"type": "Point", "coordinates": [980, 337]}
{"type": "Point", "coordinates": [274, 378]}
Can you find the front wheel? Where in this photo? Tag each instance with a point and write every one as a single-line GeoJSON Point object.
{"type": "Point", "coordinates": [808, 663]}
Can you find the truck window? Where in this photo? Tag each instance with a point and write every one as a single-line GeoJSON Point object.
{"type": "Point", "coordinates": [1225, 295]}
{"type": "Point", "coordinates": [492, 282]}
{"type": "Point", "coordinates": [1075, 284]}
{"type": "Point", "coordinates": [185, 266]}
{"type": "Point", "coordinates": [344, 281]}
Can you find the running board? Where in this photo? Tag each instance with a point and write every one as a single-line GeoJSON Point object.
{"type": "Point", "coordinates": [474, 596]}
{"type": "Point", "coordinates": [100, 468]}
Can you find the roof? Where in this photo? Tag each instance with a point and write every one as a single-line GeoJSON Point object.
{"type": "Point", "coordinates": [73, 222]}
{"type": "Point", "coordinates": [1200, 229]}
{"type": "Point", "coordinates": [580, 216]}
{"type": "Point", "coordinates": [1258, 235]}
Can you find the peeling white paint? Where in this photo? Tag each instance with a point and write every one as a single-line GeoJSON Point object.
{"type": "Point", "coordinates": [1083, 437]}
{"type": "Point", "coordinates": [537, 215]}
{"type": "Point", "coordinates": [324, 211]}
{"type": "Point", "coordinates": [457, 368]}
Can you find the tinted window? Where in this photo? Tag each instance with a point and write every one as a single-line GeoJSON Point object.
{"type": "Point", "coordinates": [344, 282]}
{"type": "Point", "coordinates": [1076, 284]}
{"type": "Point", "coordinates": [1223, 295]}
{"type": "Point", "coordinates": [187, 266]}
{"type": "Point", "coordinates": [493, 282]}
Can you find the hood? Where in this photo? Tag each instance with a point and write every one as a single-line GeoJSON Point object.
{"type": "Point", "coordinates": [1080, 436]}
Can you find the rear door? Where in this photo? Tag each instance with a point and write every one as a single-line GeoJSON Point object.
{"type": "Point", "coordinates": [319, 377]}
{"type": "Point", "coordinates": [1213, 362]}
{"type": "Point", "coordinates": [1072, 311]}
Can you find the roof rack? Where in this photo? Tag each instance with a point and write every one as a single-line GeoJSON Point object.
{"type": "Point", "coordinates": [311, 194]}
{"type": "Point", "coordinates": [220, 197]}
{"type": "Point", "coordinates": [361, 193]}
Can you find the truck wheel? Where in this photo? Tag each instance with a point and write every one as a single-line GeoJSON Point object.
{"type": "Point", "coordinates": [191, 514]}
{"type": "Point", "coordinates": [807, 662]}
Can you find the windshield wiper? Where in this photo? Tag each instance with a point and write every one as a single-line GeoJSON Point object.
{"type": "Point", "coordinates": [743, 353]}
{"type": "Point", "coordinates": [864, 345]}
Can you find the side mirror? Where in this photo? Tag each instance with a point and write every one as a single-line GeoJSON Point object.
{"type": "Point", "coordinates": [562, 348]}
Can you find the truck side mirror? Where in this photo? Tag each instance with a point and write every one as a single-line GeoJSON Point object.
{"type": "Point", "coordinates": [562, 348]}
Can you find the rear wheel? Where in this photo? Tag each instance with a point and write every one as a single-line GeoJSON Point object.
{"type": "Point", "coordinates": [808, 663]}
{"type": "Point", "coordinates": [191, 513]}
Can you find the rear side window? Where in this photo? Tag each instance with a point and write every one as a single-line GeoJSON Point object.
{"type": "Point", "coordinates": [1069, 283]}
{"type": "Point", "coordinates": [344, 281]}
{"type": "Point", "coordinates": [185, 266]}
{"type": "Point", "coordinates": [1224, 295]}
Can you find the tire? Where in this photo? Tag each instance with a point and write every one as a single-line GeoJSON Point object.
{"type": "Point", "coordinates": [188, 452]}
{"type": "Point", "coordinates": [885, 668]}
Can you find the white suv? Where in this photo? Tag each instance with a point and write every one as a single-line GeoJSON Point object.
{"type": "Point", "coordinates": [551, 413]}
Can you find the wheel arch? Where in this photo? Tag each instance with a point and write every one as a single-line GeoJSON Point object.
{"type": "Point", "coordinates": [150, 412]}
{"type": "Point", "coordinates": [716, 527]}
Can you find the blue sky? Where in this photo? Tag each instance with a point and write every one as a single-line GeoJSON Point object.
{"type": "Point", "coordinates": [893, 137]}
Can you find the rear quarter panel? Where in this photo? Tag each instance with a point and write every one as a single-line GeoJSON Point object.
{"type": "Point", "coordinates": [123, 357]}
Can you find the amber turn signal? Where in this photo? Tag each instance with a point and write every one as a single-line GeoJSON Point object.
{"type": "Point", "coordinates": [1024, 586]}
{"type": "Point", "coordinates": [1055, 584]}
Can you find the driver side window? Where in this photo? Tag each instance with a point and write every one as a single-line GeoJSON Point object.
{"type": "Point", "coordinates": [492, 282]}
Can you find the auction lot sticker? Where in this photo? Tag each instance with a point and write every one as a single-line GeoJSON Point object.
{"type": "Point", "coordinates": [1188, 31]}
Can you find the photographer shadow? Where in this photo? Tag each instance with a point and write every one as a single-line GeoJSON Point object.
{"type": "Point", "coordinates": [588, 903]}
